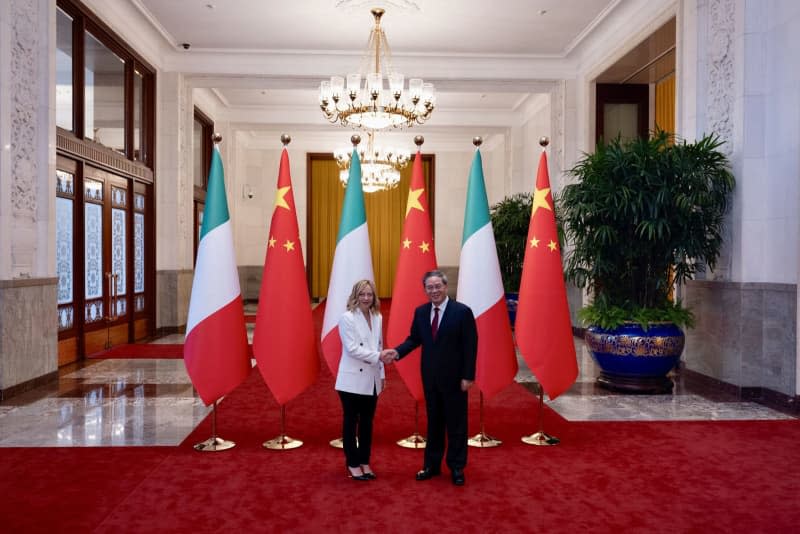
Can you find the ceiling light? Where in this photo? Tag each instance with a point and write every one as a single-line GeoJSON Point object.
{"type": "Point", "coordinates": [380, 166]}
{"type": "Point", "coordinates": [372, 106]}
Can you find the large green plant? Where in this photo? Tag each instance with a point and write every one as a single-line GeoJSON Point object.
{"type": "Point", "coordinates": [510, 219]}
{"type": "Point", "coordinates": [644, 214]}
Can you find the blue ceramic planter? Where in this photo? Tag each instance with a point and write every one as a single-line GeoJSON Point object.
{"type": "Point", "coordinates": [512, 299]}
{"type": "Point", "coordinates": [634, 360]}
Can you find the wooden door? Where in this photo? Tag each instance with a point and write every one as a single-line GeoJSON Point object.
{"type": "Point", "coordinates": [107, 245]}
{"type": "Point", "coordinates": [69, 297]}
{"type": "Point", "coordinates": [622, 109]}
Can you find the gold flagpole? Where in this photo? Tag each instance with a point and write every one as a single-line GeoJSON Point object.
{"type": "Point", "coordinates": [415, 440]}
{"type": "Point", "coordinates": [214, 443]}
{"type": "Point", "coordinates": [481, 439]}
{"type": "Point", "coordinates": [282, 441]}
{"type": "Point", "coordinates": [541, 438]}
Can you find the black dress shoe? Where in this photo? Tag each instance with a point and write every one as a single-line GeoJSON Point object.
{"type": "Point", "coordinates": [458, 477]}
{"type": "Point", "coordinates": [370, 476]}
{"type": "Point", "coordinates": [427, 473]}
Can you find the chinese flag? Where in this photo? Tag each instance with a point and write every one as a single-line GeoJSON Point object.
{"type": "Point", "coordinates": [543, 326]}
{"type": "Point", "coordinates": [284, 343]}
{"type": "Point", "coordinates": [417, 256]}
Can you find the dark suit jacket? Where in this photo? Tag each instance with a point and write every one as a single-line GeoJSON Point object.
{"type": "Point", "coordinates": [451, 358]}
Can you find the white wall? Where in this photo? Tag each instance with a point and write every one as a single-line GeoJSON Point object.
{"type": "Point", "coordinates": [257, 171]}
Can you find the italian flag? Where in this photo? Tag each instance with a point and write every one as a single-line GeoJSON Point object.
{"type": "Point", "coordinates": [352, 261]}
{"type": "Point", "coordinates": [481, 288]}
{"type": "Point", "coordinates": [215, 350]}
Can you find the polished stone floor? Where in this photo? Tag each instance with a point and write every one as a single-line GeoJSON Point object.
{"type": "Point", "coordinates": [136, 402]}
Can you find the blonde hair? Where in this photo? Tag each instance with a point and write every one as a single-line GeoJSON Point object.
{"type": "Point", "coordinates": [352, 300]}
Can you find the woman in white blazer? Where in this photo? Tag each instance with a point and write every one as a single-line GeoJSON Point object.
{"type": "Point", "coordinates": [361, 376]}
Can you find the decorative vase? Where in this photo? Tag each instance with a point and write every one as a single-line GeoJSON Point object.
{"type": "Point", "coordinates": [634, 360]}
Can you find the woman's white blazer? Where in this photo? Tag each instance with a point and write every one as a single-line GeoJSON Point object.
{"type": "Point", "coordinates": [360, 368]}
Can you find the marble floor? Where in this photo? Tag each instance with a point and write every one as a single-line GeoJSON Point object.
{"type": "Point", "coordinates": [140, 402]}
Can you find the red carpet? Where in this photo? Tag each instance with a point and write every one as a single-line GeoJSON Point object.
{"type": "Point", "coordinates": [604, 477]}
{"type": "Point", "coordinates": [166, 351]}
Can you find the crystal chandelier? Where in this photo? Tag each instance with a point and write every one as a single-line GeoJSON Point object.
{"type": "Point", "coordinates": [380, 166]}
{"type": "Point", "coordinates": [371, 106]}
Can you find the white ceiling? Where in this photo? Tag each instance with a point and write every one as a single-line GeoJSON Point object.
{"type": "Point", "coordinates": [260, 61]}
{"type": "Point", "coordinates": [507, 27]}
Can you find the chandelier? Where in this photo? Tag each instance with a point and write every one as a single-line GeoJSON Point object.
{"type": "Point", "coordinates": [380, 166]}
{"type": "Point", "coordinates": [372, 106]}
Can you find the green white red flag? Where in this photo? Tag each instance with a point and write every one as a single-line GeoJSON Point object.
{"type": "Point", "coordinates": [352, 261]}
{"type": "Point", "coordinates": [480, 287]}
{"type": "Point", "coordinates": [215, 350]}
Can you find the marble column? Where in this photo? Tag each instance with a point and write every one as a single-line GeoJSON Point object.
{"type": "Point", "coordinates": [28, 326]}
{"type": "Point", "coordinates": [174, 209]}
{"type": "Point", "coordinates": [737, 81]}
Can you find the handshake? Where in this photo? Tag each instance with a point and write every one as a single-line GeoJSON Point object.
{"type": "Point", "coordinates": [389, 355]}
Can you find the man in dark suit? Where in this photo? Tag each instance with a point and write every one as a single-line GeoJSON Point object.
{"type": "Point", "coordinates": [447, 333]}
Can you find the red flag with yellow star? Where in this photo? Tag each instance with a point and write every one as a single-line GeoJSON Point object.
{"type": "Point", "coordinates": [416, 257]}
{"type": "Point", "coordinates": [543, 326]}
{"type": "Point", "coordinates": [284, 342]}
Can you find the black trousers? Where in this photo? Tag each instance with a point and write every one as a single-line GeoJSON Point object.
{"type": "Point", "coordinates": [447, 414]}
{"type": "Point", "coordinates": [359, 411]}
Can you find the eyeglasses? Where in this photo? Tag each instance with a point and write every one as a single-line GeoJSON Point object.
{"type": "Point", "coordinates": [434, 287]}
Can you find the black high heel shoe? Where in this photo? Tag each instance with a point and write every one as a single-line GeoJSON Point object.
{"type": "Point", "coordinates": [370, 476]}
{"type": "Point", "coordinates": [362, 476]}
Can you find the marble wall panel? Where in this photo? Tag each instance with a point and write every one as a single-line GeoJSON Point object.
{"type": "Point", "coordinates": [28, 330]}
{"type": "Point", "coordinates": [173, 291]}
{"type": "Point", "coordinates": [780, 332]}
{"type": "Point", "coordinates": [752, 338]}
{"type": "Point", "coordinates": [745, 333]}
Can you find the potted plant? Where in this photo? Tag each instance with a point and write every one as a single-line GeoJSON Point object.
{"type": "Point", "coordinates": [510, 219]}
{"type": "Point", "coordinates": [644, 215]}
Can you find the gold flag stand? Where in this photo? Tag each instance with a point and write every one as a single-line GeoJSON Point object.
{"type": "Point", "coordinates": [481, 439]}
{"type": "Point", "coordinates": [541, 438]}
{"type": "Point", "coordinates": [214, 443]}
{"type": "Point", "coordinates": [415, 440]}
{"type": "Point", "coordinates": [282, 441]}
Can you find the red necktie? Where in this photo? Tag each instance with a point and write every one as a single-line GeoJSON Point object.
{"type": "Point", "coordinates": [435, 322]}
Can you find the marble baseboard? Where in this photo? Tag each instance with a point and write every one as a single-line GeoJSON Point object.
{"type": "Point", "coordinates": [250, 281]}
{"type": "Point", "coordinates": [766, 397]}
{"type": "Point", "coordinates": [745, 334]}
{"type": "Point", "coordinates": [28, 385]}
{"type": "Point", "coordinates": [173, 290]}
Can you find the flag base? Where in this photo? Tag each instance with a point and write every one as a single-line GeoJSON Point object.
{"type": "Point", "coordinates": [483, 440]}
{"type": "Point", "coordinates": [282, 442]}
{"type": "Point", "coordinates": [541, 439]}
{"type": "Point", "coordinates": [214, 444]}
{"type": "Point", "coordinates": [414, 441]}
